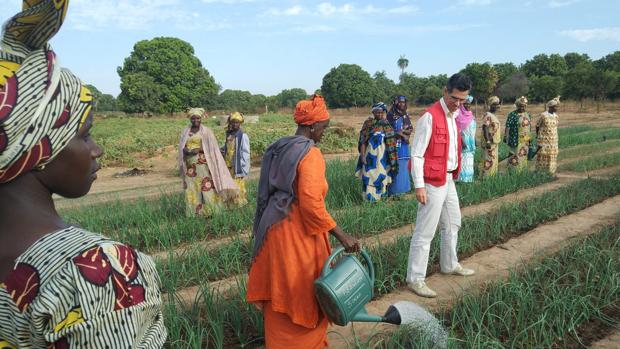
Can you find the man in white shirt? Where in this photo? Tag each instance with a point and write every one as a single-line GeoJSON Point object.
{"type": "Point", "coordinates": [436, 158]}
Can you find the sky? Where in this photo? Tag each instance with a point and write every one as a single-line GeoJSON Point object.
{"type": "Point", "coordinates": [265, 46]}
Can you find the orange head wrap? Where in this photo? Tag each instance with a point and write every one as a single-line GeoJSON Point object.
{"type": "Point", "coordinates": [311, 111]}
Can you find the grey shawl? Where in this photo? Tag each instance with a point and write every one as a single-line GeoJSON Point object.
{"type": "Point", "coordinates": [276, 191]}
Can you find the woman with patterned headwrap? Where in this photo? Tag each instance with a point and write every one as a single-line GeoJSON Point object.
{"type": "Point", "coordinates": [60, 285]}
{"type": "Point", "coordinates": [491, 128]}
{"type": "Point", "coordinates": [378, 161]}
{"type": "Point", "coordinates": [291, 234]}
{"type": "Point", "coordinates": [400, 121]}
{"type": "Point", "coordinates": [206, 179]}
{"type": "Point", "coordinates": [517, 135]}
{"type": "Point", "coordinates": [547, 138]}
{"type": "Point", "coordinates": [466, 124]}
{"type": "Point", "coordinates": [237, 155]}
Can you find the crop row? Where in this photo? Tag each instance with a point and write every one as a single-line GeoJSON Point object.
{"type": "Point", "coordinates": [215, 316]}
{"type": "Point", "coordinates": [548, 305]}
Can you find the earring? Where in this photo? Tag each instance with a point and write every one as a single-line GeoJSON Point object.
{"type": "Point", "coordinates": [40, 167]}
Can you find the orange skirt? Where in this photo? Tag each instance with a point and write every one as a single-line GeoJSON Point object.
{"type": "Point", "coordinates": [281, 332]}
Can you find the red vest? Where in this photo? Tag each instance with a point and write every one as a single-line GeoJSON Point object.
{"type": "Point", "coordinates": [436, 155]}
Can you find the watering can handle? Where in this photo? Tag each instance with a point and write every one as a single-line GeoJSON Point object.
{"type": "Point", "coordinates": [327, 267]}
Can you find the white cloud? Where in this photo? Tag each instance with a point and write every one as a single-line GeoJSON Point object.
{"type": "Point", "coordinates": [127, 15]}
{"type": "Point", "coordinates": [562, 3]}
{"type": "Point", "coordinates": [290, 11]}
{"type": "Point", "coordinates": [596, 34]}
{"type": "Point", "coordinates": [404, 9]}
{"type": "Point", "coordinates": [327, 9]}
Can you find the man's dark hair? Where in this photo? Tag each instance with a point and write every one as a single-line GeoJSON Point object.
{"type": "Point", "coordinates": [460, 82]}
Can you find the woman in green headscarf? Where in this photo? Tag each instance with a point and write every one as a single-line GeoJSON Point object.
{"type": "Point", "coordinates": [60, 285]}
{"type": "Point", "coordinates": [517, 135]}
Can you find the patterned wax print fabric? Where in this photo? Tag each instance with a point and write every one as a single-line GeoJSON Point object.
{"type": "Point", "coordinates": [519, 126]}
{"type": "Point", "coordinates": [490, 158]}
{"type": "Point", "coordinates": [547, 158]}
{"type": "Point", "coordinates": [401, 184]}
{"type": "Point", "coordinates": [468, 136]}
{"type": "Point", "coordinates": [200, 196]}
{"type": "Point", "coordinates": [375, 174]}
{"type": "Point", "coordinates": [42, 106]}
{"type": "Point", "coordinates": [76, 289]}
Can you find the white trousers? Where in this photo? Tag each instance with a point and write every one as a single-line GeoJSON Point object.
{"type": "Point", "coordinates": [442, 206]}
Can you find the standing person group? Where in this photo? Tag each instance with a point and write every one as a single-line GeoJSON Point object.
{"type": "Point", "coordinates": [378, 161]}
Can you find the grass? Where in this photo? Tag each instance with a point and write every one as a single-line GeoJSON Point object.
{"type": "Point", "coordinates": [593, 163]}
{"type": "Point", "coordinates": [544, 306]}
{"type": "Point", "coordinates": [127, 141]}
{"type": "Point", "coordinates": [591, 149]}
{"type": "Point", "coordinates": [569, 139]}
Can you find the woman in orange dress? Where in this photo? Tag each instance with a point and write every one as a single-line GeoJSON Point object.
{"type": "Point", "coordinates": [291, 234]}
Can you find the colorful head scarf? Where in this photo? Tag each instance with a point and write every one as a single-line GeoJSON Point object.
{"type": "Point", "coordinates": [42, 106]}
{"type": "Point", "coordinates": [469, 99]}
{"type": "Point", "coordinates": [236, 116]}
{"type": "Point", "coordinates": [379, 106]}
{"type": "Point", "coordinates": [308, 112]}
{"type": "Point", "coordinates": [554, 102]}
{"type": "Point", "coordinates": [522, 101]}
{"type": "Point", "coordinates": [493, 100]}
{"type": "Point", "coordinates": [464, 118]}
{"type": "Point", "coordinates": [195, 112]}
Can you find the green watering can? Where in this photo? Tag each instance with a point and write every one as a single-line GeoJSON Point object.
{"type": "Point", "coordinates": [344, 289]}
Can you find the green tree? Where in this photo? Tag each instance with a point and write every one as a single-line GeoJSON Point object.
{"type": "Point", "coordinates": [140, 93]}
{"type": "Point", "coordinates": [234, 100]}
{"type": "Point", "coordinates": [609, 62]}
{"type": "Point", "coordinates": [402, 63]}
{"type": "Point", "coordinates": [577, 82]}
{"type": "Point", "coordinates": [386, 88]}
{"type": "Point", "coordinates": [430, 94]}
{"type": "Point", "coordinates": [515, 86]}
{"type": "Point", "coordinates": [603, 82]}
{"type": "Point", "coordinates": [484, 79]}
{"type": "Point", "coordinates": [348, 85]}
{"type": "Point", "coordinates": [573, 59]}
{"type": "Point", "coordinates": [543, 65]}
{"type": "Point", "coordinates": [289, 98]}
{"type": "Point", "coordinates": [504, 71]}
{"type": "Point", "coordinates": [164, 75]}
{"type": "Point", "coordinates": [543, 88]}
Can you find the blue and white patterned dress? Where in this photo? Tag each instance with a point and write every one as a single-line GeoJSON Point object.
{"type": "Point", "coordinates": [467, 156]}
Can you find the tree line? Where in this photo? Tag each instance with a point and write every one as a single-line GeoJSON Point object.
{"type": "Point", "coordinates": [163, 75]}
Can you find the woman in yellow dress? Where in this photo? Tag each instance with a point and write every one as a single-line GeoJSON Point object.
{"type": "Point", "coordinates": [547, 136]}
{"type": "Point", "coordinates": [206, 179]}
{"type": "Point", "coordinates": [237, 155]}
{"type": "Point", "coordinates": [491, 136]}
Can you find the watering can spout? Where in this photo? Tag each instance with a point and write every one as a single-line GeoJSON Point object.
{"type": "Point", "coordinates": [363, 316]}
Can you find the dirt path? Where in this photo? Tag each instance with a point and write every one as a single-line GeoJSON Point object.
{"type": "Point", "coordinates": [188, 295]}
{"type": "Point", "coordinates": [491, 264]}
{"type": "Point", "coordinates": [610, 342]}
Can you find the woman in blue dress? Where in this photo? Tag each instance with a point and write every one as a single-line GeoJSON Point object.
{"type": "Point", "coordinates": [466, 123]}
{"type": "Point", "coordinates": [400, 121]}
{"type": "Point", "coordinates": [378, 161]}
